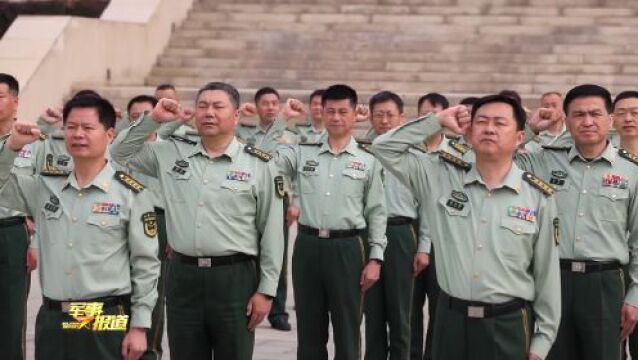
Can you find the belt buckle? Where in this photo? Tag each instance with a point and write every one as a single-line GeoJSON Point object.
{"type": "Point", "coordinates": [204, 262]}
{"type": "Point", "coordinates": [477, 312]}
{"type": "Point", "coordinates": [324, 233]}
{"type": "Point", "coordinates": [65, 306]}
{"type": "Point", "coordinates": [579, 267]}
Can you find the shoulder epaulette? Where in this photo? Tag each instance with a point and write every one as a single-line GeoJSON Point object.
{"type": "Point", "coordinates": [451, 159]}
{"type": "Point", "coordinates": [248, 125]}
{"type": "Point", "coordinates": [420, 147]}
{"type": "Point", "coordinates": [192, 133]}
{"type": "Point", "coordinates": [556, 148]}
{"type": "Point", "coordinates": [293, 130]}
{"type": "Point", "coordinates": [258, 153]}
{"type": "Point", "coordinates": [129, 182]}
{"type": "Point", "coordinates": [461, 148]}
{"type": "Point", "coordinates": [54, 172]}
{"type": "Point", "coordinates": [629, 156]}
{"type": "Point", "coordinates": [304, 125]}
{"type": "Point", "coordinates": [183, 139]}
{"type": "Point", "coordinates": [538, 183]}
{"type": "Point", "coordinates": [365, 147]}
{"type": "Point", "coordinates": [311, 143]}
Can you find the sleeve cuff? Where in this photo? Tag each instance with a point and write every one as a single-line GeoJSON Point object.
{"type": "Point", "coordinates": [632, 296]}
{"type": "Point", "coordinates": [268, 287]}
{"type": "Point", "coordinates": [376, 252]}
{"type": "Point", "coordinates": [140, 317]}
{"type": "Point", "coordinates": [425, 246]}
{"type": "Point", "coordinates": [540, 346]}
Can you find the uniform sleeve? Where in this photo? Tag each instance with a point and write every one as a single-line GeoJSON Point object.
{"type": "Point", "coordinates": [17, 192]}
{"type": "Point", "coordinates": [375, 213]}
{"type": "Point", "coordinates": [168, 129]}
{"type": "Point", "coordinates": [285, 160]}
{"type": "Point", "coordinates": [131, 150]}
{"type": "Point", "coordinates": [145, 264]}
{"type": "Point", "coordinates": [533, 162]}
{"type": "Point", "coordinates": [270, 222]}
{"type": "Point", "coordinates": [424, 242]}
{"type": "Point", "coordinates": [546, 270]}
{"type": "Point", "coordinates": [632, 229]}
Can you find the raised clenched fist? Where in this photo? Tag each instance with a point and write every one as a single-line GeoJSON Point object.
{"type": "Point", "coordinates": [52, 115]}
{"type": "Point", "coordinates": [22, 133]}
{"type": "Point", "coordinates": [248, 110]}
{"type": "Point", "coordinates": [543, 119]}
{"type": "Point", "coordinates": [166, 110]}
{"type": "Point", "coordinates": [363, 113]}
{"type": "Point", "coordinates": [456, 118]}
{"type": "Point", "coordinates": [293, 109]}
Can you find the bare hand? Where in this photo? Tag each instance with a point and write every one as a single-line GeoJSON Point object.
{"type": "Point", "coordinates": [134, 344]}
{"type": "Point", "coordinates": [166, 110]}
{"type": "Point", "coordinates": [248, 110]}
{"type": "Point", "coordinates": [363, 113]}
{"type": "Point", "coordinates": [22, 133]}
{"type": "Point", "coordinates": [456, 119]}
{"type": "Point", "coordinates": [420, 262]}
{"type": "Point", "coordinates": [533, 356]}
{"type": "Point", "coordinates": [52, 115]}
{"type": "Point", "coordinates": [257, 309]}
{"type": "Point", "coordinates": [293, 109]}
{"type": "Point", "coordinates": [292, 214]}
{"type": "Point", "coordinates": [628, 319]}
{"type": "Point", "coordinates": [186, 115]}
{"type": "Point", "coordinates": [370, 275]}
{"type": "Point", "coordinates": [543, 119]}
{"type": "Point", "coordinates": [32, 259]}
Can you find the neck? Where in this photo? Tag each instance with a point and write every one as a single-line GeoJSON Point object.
{"type": "Point", "coordinates": [337, 144]}
{"type": "Point", "coordinates": [591, 151]}
{"type": "Point", "coordinates": [556, 128]}
{"type": "Point", "coordinates": [434, 141]}
{"type": "Point", "coordinates": [5, 126]}
{"type": "Point", "coordinates": [318, 124]}
{"type": "Point", "coordinates": [630, 144]}
{"type": "Point", "coordinates": [87, 169]}
{"type": "Point", "coordinates": [265, 124]}
{"type": "Point", "coordinates": [217, 144]}
{"type": "Point", "coordinates": [493, 170]}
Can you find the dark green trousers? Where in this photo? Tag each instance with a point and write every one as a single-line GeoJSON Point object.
{"type": "Point", "coordinates": [632, 342]}
{"type": "Point", "coordinates": [278, 309]}
{"type": "Point", "coordinates": [590, 321]}
{"type": "Point", "coordinates": [14, 287]}
{"type": "Point", "coordinates": [326, 275]}
{"type": "Point", "coordinates": [388, 302]}
{"type": "Point", "coordinates": [54, 343]}
{"type": "Point", "coordinates": [425, 285]}
{"type": "Point", "coordinates": [503, 337]}
{"type": "Point", "coordinates": [206, 310]}
{"type": "Point", "coordinates": [155, 334]}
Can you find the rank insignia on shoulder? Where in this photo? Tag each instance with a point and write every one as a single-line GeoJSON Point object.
{"type": "Point", "coordinates": [54, 172]}
{"type": "Point", "coordinates": [556, 148]}
{"type": "Point", "coordinates": [149, 220]}
{"type": "Point", "coordinates": [451, 159]}
{"type": "Point", "coordinates": [461, 148]}
{"type": "Point", "coordinates": [365, 147]}
{"type": "Point", "coordinates": [420, 147]}
{"type": "Point", "coordinates": [279, 187]}
{"type": "Point", "coordinates": [129, 182]}
{"type": "Point", "coordinates": [258, 153]}
{"type": "Point", "coordinates": [183, 139]}
{"type": "Point", "coordinates": [538, 183]}
{"type": "Point", "coordinates": [556, 224]}
{"type": "Point", "coordinates": [311, 143]}
{"type": "Point", "coordinates": [629, 156]}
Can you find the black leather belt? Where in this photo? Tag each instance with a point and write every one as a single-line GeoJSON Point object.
{"type": "Point", "coordinates": [329, 234]}
{"type": "Point", "coordinates": [11, 221]}
{"type": "Point", "coordinates": [400, 220]}
{"type": "Point", "coordinates": [212, 261]}
{"type": "Point", "coordinates": [107, 301]}
{"type": "Point", "coordinates": [481, 310]}
{"type": "Point", "coordinates": [588, 266]}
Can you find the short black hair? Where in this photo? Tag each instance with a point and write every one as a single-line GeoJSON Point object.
{"type": "Point", "coordinates": [519, 113]}
{"type": "Point", "coordinates": [340, 92]}
{"type": "Point", "coordinates": [512, 94]}
{"type": "Point", "coordinates": [232, 92]}
{"type": "Point", "coordinates": [165, 86]}
{"type": "Point", "coordinates": [265, 91]}
{"type": "Point", "coordinates": [385, 96]}
{"type": "Point", "coordinates": [105, 110]}
{"type": "Point", "coordinates": [141, 99]}
{"type": "Point", "coordinates": [470, 100]}
{"type": "Point", "coordinates": [11, 82]}
{"type": "Point", "coordinates": [625, 95]}
{"type": "Point", "coordinates": [435, 99]}
{"type": "Point", "coordinates": [318, 92]}
{"type": "Point", "coordinates": [588, 90]}
{"type": "Point", "coordinates": [89, 92]}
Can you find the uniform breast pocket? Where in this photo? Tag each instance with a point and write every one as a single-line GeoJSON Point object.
{"type": "Point", "coordinates": [237, 197]}
{"type": "Point", "coordinates": [104, 222]}
{"type": "Point", "coordinates": [180, 174]}
{"type": "Point", "coordinates": [516, 238]}
{"type": "Point", "coordinates": [354, 181]}
{"type": "Point", "coordinates": [454, 208]}
{"type": "Point", "coordinates": [308, 181]}
{"type": "Point", "coordinates": [613, 204]}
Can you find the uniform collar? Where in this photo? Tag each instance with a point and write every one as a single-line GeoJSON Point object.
{"type": "Point", "coordinates": [102, 181]}
{"type": "Point", "coordinates": [351, 148]}
{"type": "Point", "coordinates": [231, 152]}
{"type": "Point", "coordinates": [608, 154]}
{"type": "Point", "coordinates": [512, 180]}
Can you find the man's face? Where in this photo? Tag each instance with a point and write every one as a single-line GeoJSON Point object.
{"type": "Point", "coordinates": [493, 130]}
{"type": "Point", "coordinates": [8, 104]}
{"type": "Point", "coordinates": [268, 107]}
{"type": "Point", "coordinates": [166, 94]}
{"type": "Point", "coordinates": [588, 120]}
{"type": "Point", "coordinates": [626, 117]}
{"type": "Point", "coordinates": [427, 107]}
{"type": "Point", "coordinates": [315, 108]}
{"type": "Point", "coordinates": [215, 113]}
{"type": "Point", "coordinates": [552, 101]}
{"type": "Point", "coordinates": [85, 137]}
{"type": "Point", "coordinates": [338, 117]}
{"type": "Point", "coordinates": [137, 109]}
{"type": "Point", "coordinates": [385, 117]}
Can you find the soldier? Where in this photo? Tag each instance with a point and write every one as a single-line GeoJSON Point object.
{"type": "Point", "coordinates": [314, 130]}
{"type": "Point", "coordinates": [270, 129]}
{"type": "Point", "coordinates": [388, 303]}
{"type": "Point", "coordinates": [551, 103]}
{"type": "Point", "coordinates": [596, 186]}
{"type": "Point", "coordinates": [224, 221]}
{"type": "Point", "coordinates": [99, 263]}
{"type": "Point", "coordinates": [494, 230]}
{"type": "Point", "coordinates": [338, 184]}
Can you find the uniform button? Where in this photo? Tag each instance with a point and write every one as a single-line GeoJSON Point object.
{"type": "Point", "coordinates": [577, 238]}
{"type": "Point", "coordinates": [517, 229]}
{"type": "Point", "coordinates": [103, 223]}
{"type": "Point", "coordinates": [480, 246]}
{"type": "Point", "coordinates": [205, 181]}
{"type": "Point", "coordinates": [74, 219]}
{"type": "Point", "coordinates": [331, 175]}
{"type": "Point", "coordinates": [80, 194]}
{"type": "Point", "coordinates": [327, 194]}
{"type": "Point", "coordinates": [589, 166]}
{"type": "Point", "coordinates": [613, 196]}
{"type": "Point", "coordinates": [70, 244]}
{"type": "Point", "coordinates": [201, 203]}
{"type": "Point", "coordinates": [584, 191]}
{"type": "Point", "coordinates": [581, 214]}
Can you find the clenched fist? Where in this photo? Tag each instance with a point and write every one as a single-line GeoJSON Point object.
{"type": "Point", "coordinates": [543, 119]}
{"type": "Point", "coordinates": [166, 110]}
{"type": "Point", "coordinates": [456, 118]}
{"type": "Point", "coordinates": [22, 133]}
{"type": "Point", "coordinates": [293, 109]}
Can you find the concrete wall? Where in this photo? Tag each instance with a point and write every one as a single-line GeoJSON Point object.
{"type": "Point", "coordinates": [50, 54]}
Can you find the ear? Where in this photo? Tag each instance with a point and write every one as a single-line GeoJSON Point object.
{"type": "Point", "coordinates": [110, 134]}
{"type": "Point", "coordinates": [520, 136]}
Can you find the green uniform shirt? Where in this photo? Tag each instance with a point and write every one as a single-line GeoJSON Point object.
{"type": "Point", "coordinates": [597, 202]}
{"type": "Point", "coordinates": [264, 139]}
{"type": "Point", "coordinates": [543, 138]}
{"type": "Point", "coordinates": [22, 165]}
{"type": "Point", "coordinates": [307, 133]}
{"type": "Point", "coordinates": [491, 246]}
{"type": "Point", "coordinates": [214, 206]}
{"type": "Point", "coordinates": [99, 239]}
{"type": "Point", "coordinates": [338, 191]}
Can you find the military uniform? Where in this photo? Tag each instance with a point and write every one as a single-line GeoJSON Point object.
{"type": "Point", "coordinates": [497, 261]}
{"type": "Point", "coordinates": [339, 202]}
{"type": "Point", "coordinates": [100, 248]}
{"type": "Point", "coordinates": [543, 138]}
{"type": "Point", "coordinates": [598, 210]}
{"type": "Point", "coordinates": [307, 133]}
{"type": "Point", "coordinates": [224, 224]}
